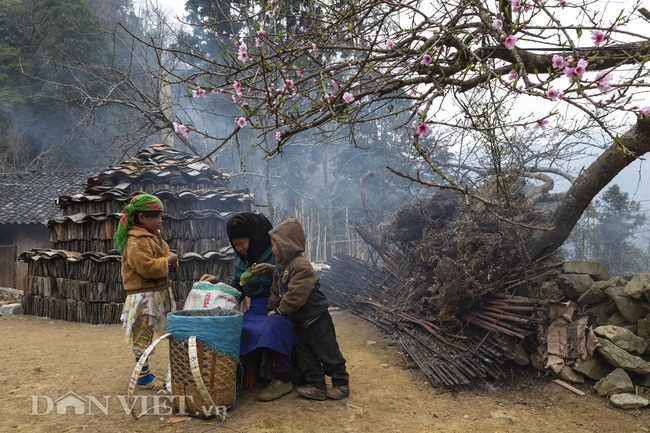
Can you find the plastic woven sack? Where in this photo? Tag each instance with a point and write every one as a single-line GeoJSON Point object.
{"type": "Point", "coordinates": [205, 295]}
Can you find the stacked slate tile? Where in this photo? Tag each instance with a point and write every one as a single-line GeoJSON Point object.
{"type": "Point", "coordinates": [79, 279]}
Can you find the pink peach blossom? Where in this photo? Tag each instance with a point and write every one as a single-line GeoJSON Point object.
{"type": "Point", "coordinates": [552, 94]}
{"type": "Point", "coordinates": [390, 44]}
{"type": "Point", "coordinates": [581, 68]}
{"type": "Point", "coordinates": [241, 122]}
{"type": "Point", "coordinates": [510, 42]}
{"type": "Point", "coordinates": [243, 52]}
{"type": "Point", "coordinates": [181, 129]}
{"type": "Point", "coordinates": [598, 37]}
{"type": "Point", "coordinates": [198, 92]}
{"type": "Point", "coordinates": [422, 129]}
{"type": "Point", "coordinates": [604, 80]}
{"type": "Point", "coordinates": [348, 97]}
{"type": "Point", "coordinates": [426, 60]}
{"type": "Point", "coordinates": [515, 5]}
{"type": "Point", "coordinates": [558, 62]}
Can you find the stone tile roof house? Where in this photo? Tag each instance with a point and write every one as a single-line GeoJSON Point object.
{"type": "Point", "coordinates": [78, 277]}
{"type": "Point", "coordinates": [27, 200]}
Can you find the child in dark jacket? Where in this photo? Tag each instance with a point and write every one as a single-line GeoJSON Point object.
{"type": "Point", "coordinates": [296, 293]}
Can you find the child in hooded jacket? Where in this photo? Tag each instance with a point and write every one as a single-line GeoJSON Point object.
{"type": "Point", "coordinates": [296, 293]}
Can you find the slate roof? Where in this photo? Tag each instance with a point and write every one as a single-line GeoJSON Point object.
{"type": "Point", "coordinates": [30, 197]}
{"type": "Point", "coordinates": [225, 253]}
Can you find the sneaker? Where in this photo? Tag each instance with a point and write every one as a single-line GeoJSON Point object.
{"type": "Point", "coordinates": [312, 392]}
{"type": "Point", "coordinates": [275, 390]}
{"type": "Point", "coordinates": [338, 392]}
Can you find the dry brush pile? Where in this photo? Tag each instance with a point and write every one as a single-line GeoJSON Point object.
{"type": "Point", "coordinates": [454, 253]}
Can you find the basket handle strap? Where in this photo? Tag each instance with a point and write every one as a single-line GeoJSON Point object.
{"type": "Point", "coordinates": [198, 378]}
{"type": "Point", "coordinates": [136, 373]}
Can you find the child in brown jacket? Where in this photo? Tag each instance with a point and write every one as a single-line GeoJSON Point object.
{"type": "Point", "coordinates": [296, 293]}
{"type": "Point", "coordinates": [147, 264]}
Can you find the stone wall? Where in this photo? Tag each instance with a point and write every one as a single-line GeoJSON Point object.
{"type": "Point", "coordinates": [599, 333]}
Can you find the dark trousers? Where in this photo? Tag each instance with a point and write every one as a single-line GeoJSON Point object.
{"type": "Point", "coordinates": [318, 353]}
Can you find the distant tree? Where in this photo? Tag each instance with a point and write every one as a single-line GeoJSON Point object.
{"type": "Point", "coordinates": [43, 45]}
{"type": "Point", "coordinates": [605, 232]}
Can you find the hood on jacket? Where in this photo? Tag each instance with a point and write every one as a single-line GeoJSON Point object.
{"type": "Point", "coordinates": [289, 238]}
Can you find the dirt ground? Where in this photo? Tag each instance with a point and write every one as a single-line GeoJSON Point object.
{"type": "Point", "coordinates": [43, 360]}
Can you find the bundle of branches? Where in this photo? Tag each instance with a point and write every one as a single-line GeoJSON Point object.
{"type": "Point", "coordinates": [456, 251]}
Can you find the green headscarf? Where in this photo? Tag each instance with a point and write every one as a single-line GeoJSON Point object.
{"type": "Point", "coordinates": [142, 203]}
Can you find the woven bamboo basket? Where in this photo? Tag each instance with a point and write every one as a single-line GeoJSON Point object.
{"type": "Point", "coordinates": [217, 371]}
{"type": "Point", "coordinates": [203, 361]}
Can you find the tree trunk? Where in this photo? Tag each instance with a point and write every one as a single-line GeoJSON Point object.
{"type": "Point", "coordinates": [633, 144]}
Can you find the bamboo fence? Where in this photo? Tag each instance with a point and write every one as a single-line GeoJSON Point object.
{"type": "Point", "coordinates": [324, 242]}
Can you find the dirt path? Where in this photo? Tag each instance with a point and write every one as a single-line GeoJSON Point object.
{"type": "Point", "coordinates": [42, 360]}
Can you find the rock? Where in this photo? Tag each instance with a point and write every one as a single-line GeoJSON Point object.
{"type": "Point", "coordinates": [643, 330]}
{"type": "Point", "coordinates": [603, 311]}
{"type": "Point", "coordinates": [594, 368]}
{"type": "Point", "coordinates": [623, 338]}
{"type": "Point", "coordinates": [616, 382]}
{"type": "Point", "coordinates": [9, 294]}
{"type": "Point", "coordinates": [537, 361]}
{"type": "Point", "coordinates": [639, 287]}
{"type": "Point", "coordinates": [569, 375]}
{"type": "Point", "coordinates": [596, 271]}
{"type": "Point", "coordinates": [594, 296]}
{"type": "Point", "coordinates": [574, 285]}
{"type": "Point", "coordinates": [521, 357]}
{"type": "Point", "coordinates": [617, 319]}
{"type": "Point", "coordinates": [645, 381]}
{"type": "Point", "coordinates": [628, 401]}
{"type": "Point", "coordinates": [613, 291]}
{"type": "Point", "coordinates": [501, 415]}
{"type": "Point", "coordinates": [622, 358]}
{"type": "Point", "coordinates": [11, 309]}
{"type": "Point", "coordinates": [631, 309]}
{"type": "Point", "coordinates": [550, 290]}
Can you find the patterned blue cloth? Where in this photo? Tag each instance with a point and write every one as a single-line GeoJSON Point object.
{"type": "Point", "coordinates": [259, 330]}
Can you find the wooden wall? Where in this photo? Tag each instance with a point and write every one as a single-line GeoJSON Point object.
{"type": "Point", "coordinates": [14, 239]}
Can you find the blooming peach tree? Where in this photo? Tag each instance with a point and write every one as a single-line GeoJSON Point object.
{"type": "Point", "coordinates": [502, 85]}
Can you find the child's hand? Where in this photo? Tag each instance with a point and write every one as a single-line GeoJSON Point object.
{"type": "Point", "coordinates": [209, 278]}
{"type": "Point", "coordinates": [271, 313]}
{"type": "Point", "coordinates": [172, 259]}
